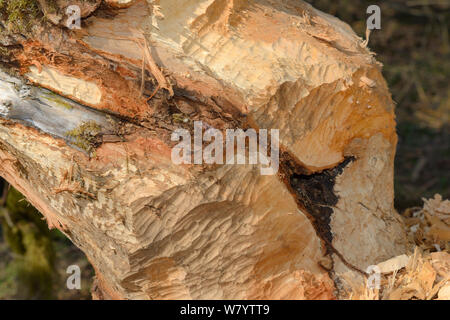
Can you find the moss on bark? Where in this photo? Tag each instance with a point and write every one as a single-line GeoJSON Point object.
{"type": "Point", "coordinates": [19, 15]}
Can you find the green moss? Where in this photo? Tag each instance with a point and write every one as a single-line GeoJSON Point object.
{"type": "Point", "coordinates": [19, 209]}
{"type": "Point", "coordinates": [58, 100]}
{"type": "Point", "coordinates": [8, 279]}
{"type": "Point", "coordinates": [86, 136]}
{"type": "Point", "coordinates": [20, 14]}
{"type": "Point", "coordinates": [52, 6]}
{"type": "Point", "coordinates": [180, 118]}
{"type": "Point", "coordinates": [4, 51]}
{"type": "Point", "coordinates": [37, 269]}
{"type": "Point", "coordinates": [29, 238]}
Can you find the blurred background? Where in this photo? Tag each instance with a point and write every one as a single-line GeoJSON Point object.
{"type": "Point", "coordinates": [413, 44]}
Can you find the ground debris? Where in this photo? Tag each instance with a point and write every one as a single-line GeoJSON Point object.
{"type": "Point", "coordinates": [429, 227]}
{"type": "Point", "coordinates": [424, 274]}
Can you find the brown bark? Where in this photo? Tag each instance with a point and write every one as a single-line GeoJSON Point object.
{"type": "Point", "coordinates": [156, 230]}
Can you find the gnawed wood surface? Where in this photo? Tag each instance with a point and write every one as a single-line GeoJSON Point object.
{"type": "Point", "coordinates": [156, 230]}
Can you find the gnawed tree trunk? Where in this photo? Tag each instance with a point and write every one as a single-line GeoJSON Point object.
{"type": "Point", "coordinates": [92, 151]}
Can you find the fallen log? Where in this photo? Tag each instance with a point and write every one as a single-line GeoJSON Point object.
{"type": "Point", "coordinates": [86, 134]}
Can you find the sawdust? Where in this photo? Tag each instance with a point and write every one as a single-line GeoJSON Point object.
{"type": "Point", "coordinates": [422, 275]}
{"type": "Point", "coordinates": [429, 227]}
{"type": "Point", "coordinates": [425, 277]}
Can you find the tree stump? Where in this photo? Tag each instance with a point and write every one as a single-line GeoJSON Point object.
{"type": "Point", "coordinates": [87, 117]}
